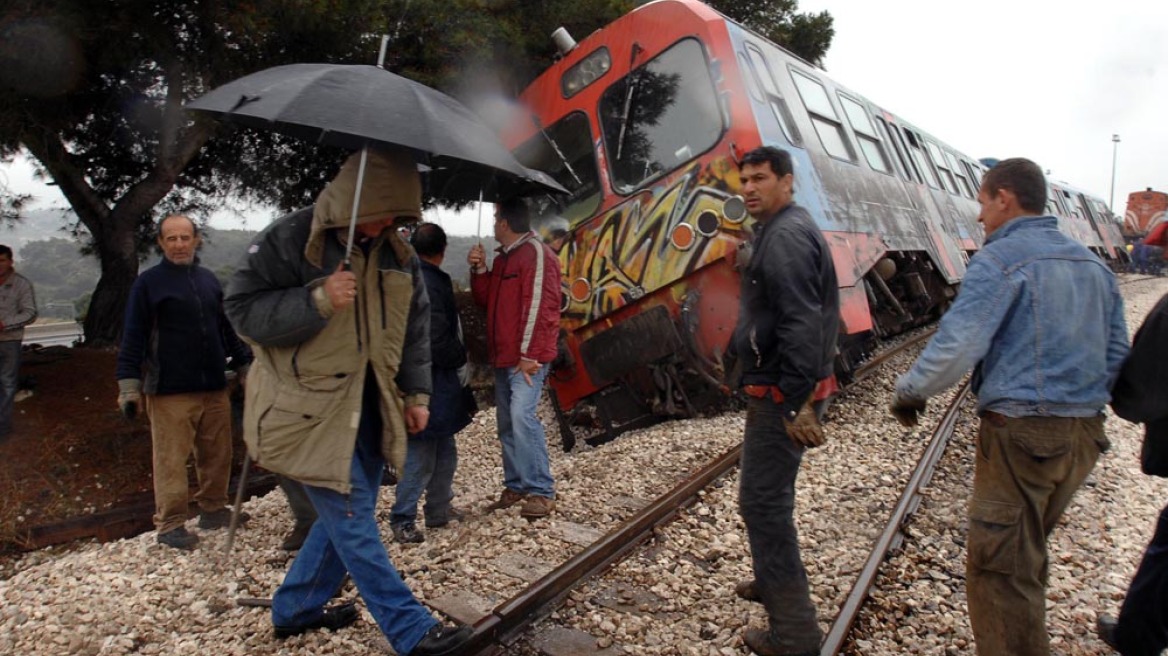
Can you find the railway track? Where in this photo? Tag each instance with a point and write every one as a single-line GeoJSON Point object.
{"type": "Point", "coordinates": [495, 632]}
{"type": "Point", "coordinates": [125, 521]}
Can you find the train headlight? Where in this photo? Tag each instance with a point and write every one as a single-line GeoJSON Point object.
{"type": "Point", "coordinates": [585, 72]}
{"type": "Point", "coordinates": [734, 209]}
{"type": "Point", "coordinates": [682, 237]}
{"type": "Point", "coordinates": [581, 290]}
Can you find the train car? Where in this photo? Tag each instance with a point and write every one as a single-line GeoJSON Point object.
{"type": "Point", "coordinates": [1087, 219]}
{"type": "Point", "coordinates": [1144, 210]}
{"type": "Point", "coordinates": [644, 122]}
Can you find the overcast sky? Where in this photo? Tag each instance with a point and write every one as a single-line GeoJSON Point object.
{"type": "Point", "coordinates": [1043, 79]}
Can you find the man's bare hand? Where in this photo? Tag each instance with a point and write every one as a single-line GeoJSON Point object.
{"type": "Point", "coordinates": [341, 287]}
{"type": "Point", "coordinates": [477, 257]}
{"type": "Point", "coordinates": [417, 416]}
{"type": "Point", "coordinates": [528, 368]}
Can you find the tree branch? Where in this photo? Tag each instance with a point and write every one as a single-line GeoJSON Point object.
{"type": "Point", "coordinates": [50, 151]}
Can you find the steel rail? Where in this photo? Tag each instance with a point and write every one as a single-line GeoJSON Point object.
{"type": "Point", "coordinates": [874, 363]}
{"type": "Point", "coordinates": [508, 620]}
{"type": "Point", "coordinates": [113, 524]}
{"type": "Point", "coordinates": [493, 632]}
{"type": "Point", "coordinates": [893, 533]}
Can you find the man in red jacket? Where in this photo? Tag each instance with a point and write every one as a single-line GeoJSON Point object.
{"type": "Point", "coordinates": [522, 297]}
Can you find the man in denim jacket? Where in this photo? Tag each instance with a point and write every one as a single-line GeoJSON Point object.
{"type": "Point", "coordinates": [1040, 321]}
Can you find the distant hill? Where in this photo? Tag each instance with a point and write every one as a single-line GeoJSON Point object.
{"type": "Point", "coordinates": [37, 225]}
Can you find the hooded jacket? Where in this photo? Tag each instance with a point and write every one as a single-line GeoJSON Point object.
{"type": "Point", "coordinates": [305, 387]}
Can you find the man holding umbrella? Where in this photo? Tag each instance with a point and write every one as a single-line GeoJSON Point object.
{"type": "Point", "coordinates": [341, 377]}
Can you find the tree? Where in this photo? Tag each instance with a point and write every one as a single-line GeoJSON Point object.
{"type": "Point", "coordinates": [93, 90]}
{"type": "Point", "coordinates": [806, 35]}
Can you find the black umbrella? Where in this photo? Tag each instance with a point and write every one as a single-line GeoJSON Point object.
{"type": "Point", "coordinates": [353, 106]}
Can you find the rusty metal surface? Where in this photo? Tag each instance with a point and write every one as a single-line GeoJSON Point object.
{"type": "Point", "coordinates": [113, 524]}
{"type": "Point", "coordinates": [510, 618]}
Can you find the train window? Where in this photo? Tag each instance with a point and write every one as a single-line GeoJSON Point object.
{"type": "Point", "coordinates": [1052, 198]}
{"type": "Point", "coordinates": [975, 173]}
{"type": "Point", "coordinates": [890, 136]}
{"type": "Point", "coordinates": [750, 78]}
{"type": "Point", "coordinates": [1072, 203]}
{"type": "Point", "coordinates": [974, 176]}
{"type": "Point", "coordinates": [962, 181]}
{"type": "Point", "coordinates": [823, 116]}
{"type": "Point", "coordinates": [563, 150]}
{"type": "Point", "coordinates": [942, 167]}
{"type": "Point", "coordinates": [660, 115]}
{"type": "Point", "coordinates": [866, 134]}
{"type": "Point", "coordinates": [762, 72]}
{"type": "Point", "coordinates": [916, 151]}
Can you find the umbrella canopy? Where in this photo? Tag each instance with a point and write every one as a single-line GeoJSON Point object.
{"type": "Point", "coordinates": [353, 106]}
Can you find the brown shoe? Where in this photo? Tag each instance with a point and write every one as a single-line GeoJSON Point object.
{"type": "Point", "coordinates": [762, 643]}
{"type": "Point", "coordinates": [537, 506]}
{"type": "Point", "coordinates": [507, 499]}
{"type": "Point", "coordinates": [746, 590]}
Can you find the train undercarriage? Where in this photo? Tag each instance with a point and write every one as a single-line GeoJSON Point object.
{"type": "Point", "coordinates": [661, 362]}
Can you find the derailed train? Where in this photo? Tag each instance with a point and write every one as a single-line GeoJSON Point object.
{"type": "Point", "coordinates": [644, 122]}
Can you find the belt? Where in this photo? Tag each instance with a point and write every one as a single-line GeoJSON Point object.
{"type": "Point", "coordinates": [761, 391]}
{"type": "Point", "coordinates": [823, 389]}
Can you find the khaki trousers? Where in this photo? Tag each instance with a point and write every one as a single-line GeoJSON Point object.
{"type": "Point", "coordinates": [1028, 469]}
{"type": "Point", "coordinates": [180, 423]}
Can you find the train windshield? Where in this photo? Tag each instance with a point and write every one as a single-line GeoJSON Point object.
{"type": "Point", "coordinates": [564, 151]}
{"type": "Point", "coordinates": [660, 115]}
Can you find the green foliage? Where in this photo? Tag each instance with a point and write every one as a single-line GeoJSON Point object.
{"type": "Point", "coordinates": [806, 35]}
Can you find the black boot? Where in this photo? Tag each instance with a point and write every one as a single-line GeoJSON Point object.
{"type": "Point", "coordinates": [442, 640]}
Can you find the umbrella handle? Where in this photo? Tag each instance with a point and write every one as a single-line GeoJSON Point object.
{"type": "Point", "coordinates": [356, 204]}
{"type": "Point", "coordinates": [240, 485]}
{"type": "Point", "coordinates": [479, 232]}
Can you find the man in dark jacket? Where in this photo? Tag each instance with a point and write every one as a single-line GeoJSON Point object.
{"type": "Point", "coordinates": [1141, 394]}
{"type": "Point", "coordinates": [432, 454]}
{"type": "Point", "coordinates": [178, 340]}
{"type": "Point", "coordinates": [522, 295]}
{"type": "Point", "coordinates": [788, 323]}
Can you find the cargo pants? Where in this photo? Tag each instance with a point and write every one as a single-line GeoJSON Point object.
{"type": "Point", "coordinates": [1028, 468]}
{"type": "Point", "coordinates": [179, 424]}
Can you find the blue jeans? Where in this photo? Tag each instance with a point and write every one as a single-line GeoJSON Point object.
{"type": "Point", "coordinates": [430, 465]}
{"type": "Point", "coordinates": [525, 456]}
{"type": "Point", "coordinates": [9, 379]}
{"type": "Point", "coordinates": [766, 501]}
{"type": "Point", "coordinates": [344, 538]}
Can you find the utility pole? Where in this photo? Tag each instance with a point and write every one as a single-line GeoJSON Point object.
{"type": "Point", "coordinates": [1114, 151]}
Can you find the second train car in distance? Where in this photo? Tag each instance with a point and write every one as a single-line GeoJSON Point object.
{"type": "Point", "coordinates": [644, 122]}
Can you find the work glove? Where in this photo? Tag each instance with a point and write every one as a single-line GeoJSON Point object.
{"type": "Point", "coordinates": [906, 410]}
{"type": "Point", "coordinates": [129, 397]}
{"type": "Point", "coordinates": [804, 428]}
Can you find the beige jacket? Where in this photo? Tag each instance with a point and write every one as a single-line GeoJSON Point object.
{"type": "Point", "coordinates": [303, 397]}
